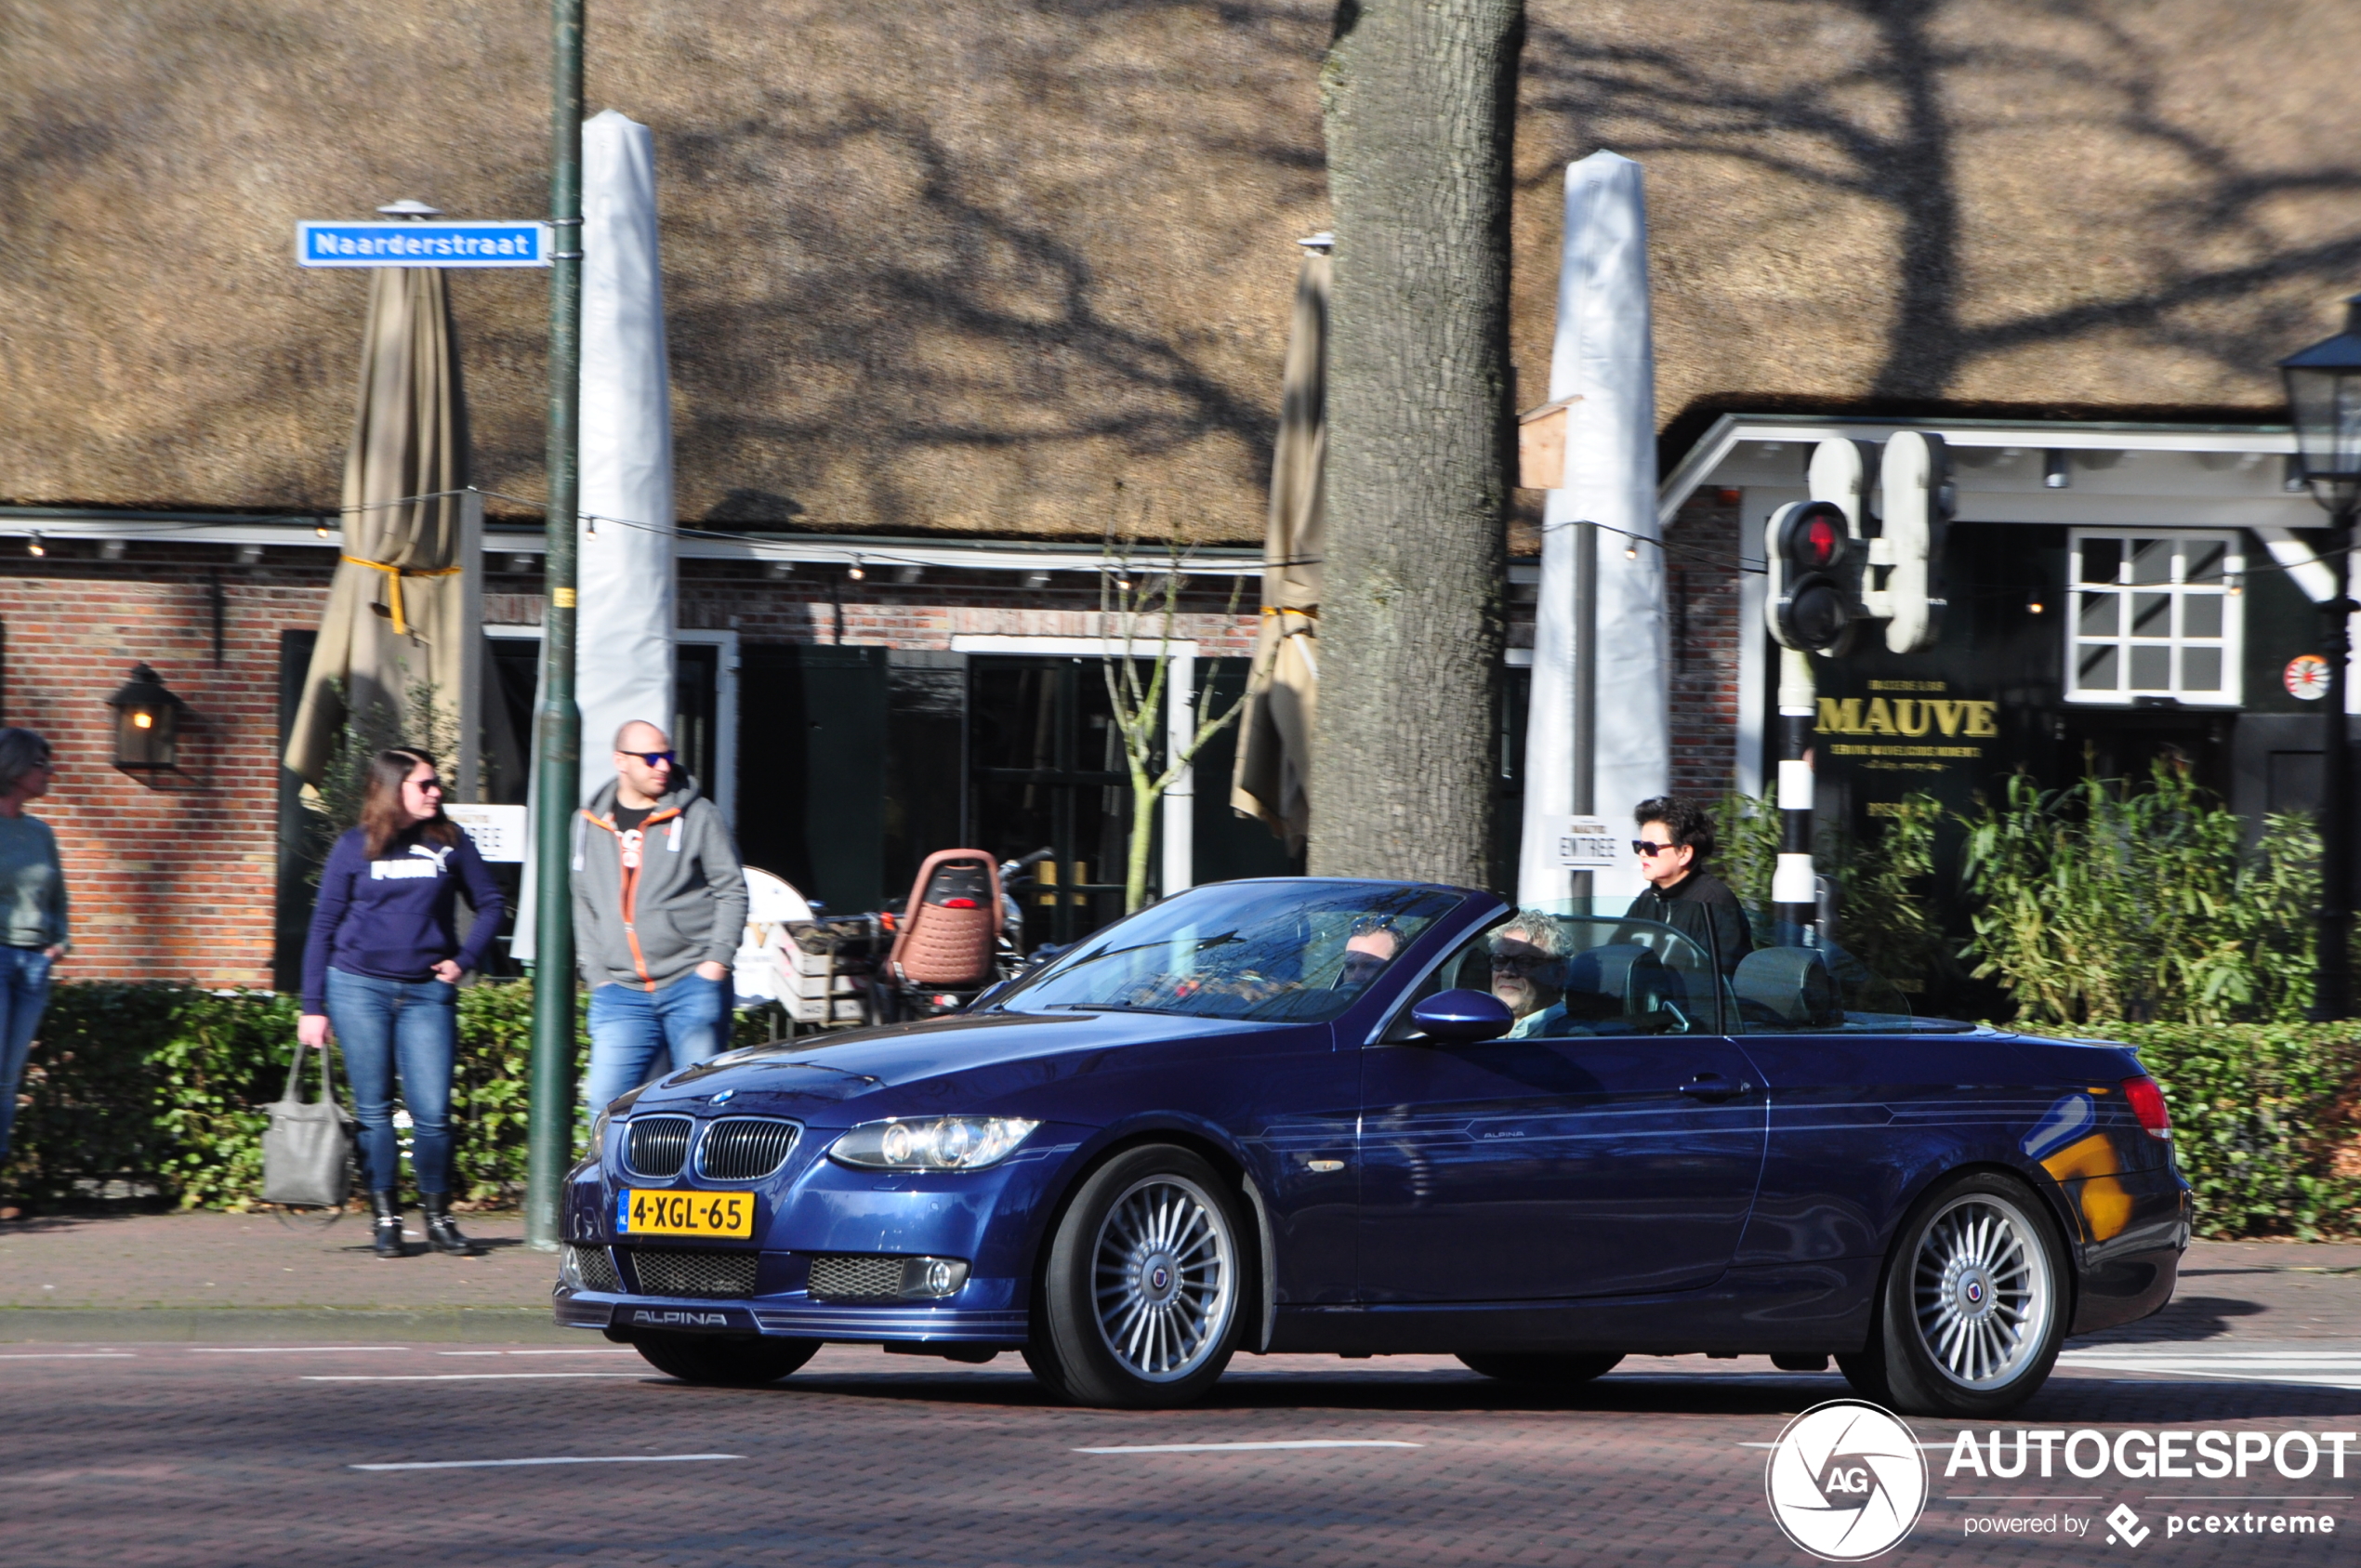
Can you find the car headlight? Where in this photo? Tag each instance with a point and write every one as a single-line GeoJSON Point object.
{"type": "Point", "coordinates": [931, 1143]}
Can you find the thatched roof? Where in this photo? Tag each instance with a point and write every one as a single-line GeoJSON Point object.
{"type": "Point", "coordinates": [960, 269]}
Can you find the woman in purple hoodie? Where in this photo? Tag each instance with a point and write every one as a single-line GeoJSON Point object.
{"type": "Point", "coordinates": [383, 965]}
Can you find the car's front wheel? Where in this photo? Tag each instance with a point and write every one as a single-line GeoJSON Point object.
{"type": "Point", "coordinates": [707, 1358]}
{"type": "Point", "coordinates": [1541, 1371]}
{"type": "Point", "coordinates": [1143, 1283]}
{"type": "Point", "coordinates": [1973, 1305]}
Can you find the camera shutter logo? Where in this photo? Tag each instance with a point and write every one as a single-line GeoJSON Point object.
{"type": "Point", "coordinates": [1846, 1481]}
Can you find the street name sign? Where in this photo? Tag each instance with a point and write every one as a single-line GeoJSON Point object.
{"type": "Point", "coordinates": [1588, 845]}
{"type": "Point", "coordinates": [468, 243]}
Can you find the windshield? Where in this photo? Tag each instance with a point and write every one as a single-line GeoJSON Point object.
{"type": "Point", "coordinates": [1294, 951]}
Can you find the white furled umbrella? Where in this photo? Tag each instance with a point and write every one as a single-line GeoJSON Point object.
{"type": "Point", "coordinates": [1603, 354]}
{"type": "Point", "coordinates": [624, 642]}
{"type": "Point", "coordinates": [1272, 779]}
{"type": "Point", "coordinates": [624, 649]}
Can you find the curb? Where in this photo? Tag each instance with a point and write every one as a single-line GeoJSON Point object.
{"type": "Point", "coordinates": [504, 1325]}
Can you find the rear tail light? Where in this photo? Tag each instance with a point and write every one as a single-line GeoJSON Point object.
{"type": "Point", "coordinates": [2147, 1104]}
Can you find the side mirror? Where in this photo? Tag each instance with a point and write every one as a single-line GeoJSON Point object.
{"type": "Point", "coordinates": [1463, 1016]}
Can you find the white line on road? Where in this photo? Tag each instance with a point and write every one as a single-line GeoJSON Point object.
{"type": "Point", "coordinates": [285, 1349]}
{"type": "Point", "coordinates": [73, 1355]}
{"type": "Point", "coordinates": [1242, 1447]}
{"type": "Point", "coordinates": [497, 1464]}
{"type": "Point", "coordinates": [599, 1351]}
{"type": "Point", "coordinates": [449, 1376]}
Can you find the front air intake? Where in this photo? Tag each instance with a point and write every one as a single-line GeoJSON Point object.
{"type": "Point", "coordinates": [666, 1271]}
{"type": "Point", "coordinates": [657, 1146]}
{"type": "Point", "coordinates": [745, 1148]}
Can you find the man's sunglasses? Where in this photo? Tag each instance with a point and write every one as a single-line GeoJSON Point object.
{"type": "Point", "coordinates": [1650, 849]}
{"type": "Point", "coordinates": [657, 758]}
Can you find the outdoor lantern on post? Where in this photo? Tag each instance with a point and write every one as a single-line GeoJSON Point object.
{"type": "Point", "coordinates": [147, 724]}
{"type": "Point", "coordinates": [2323, 403]}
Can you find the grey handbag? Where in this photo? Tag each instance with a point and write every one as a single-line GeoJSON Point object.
{"type": "Point", "coordinates": [307, 1150]}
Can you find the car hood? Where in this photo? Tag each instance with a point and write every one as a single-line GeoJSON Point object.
{"type": "Point", "coordinates": [964, 1062]}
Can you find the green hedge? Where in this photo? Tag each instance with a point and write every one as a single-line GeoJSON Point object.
{"type": "Point", "coordinates": [156, 1090]}
{"type": "Point", "coordinates": [2260, 1112]}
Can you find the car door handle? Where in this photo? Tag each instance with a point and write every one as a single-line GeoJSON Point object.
{"type": "Point", "coordinates": [1713, 1086]}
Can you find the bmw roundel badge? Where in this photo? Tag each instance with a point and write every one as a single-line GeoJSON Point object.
{"type": "Point", "coordinates": [723, 1098]}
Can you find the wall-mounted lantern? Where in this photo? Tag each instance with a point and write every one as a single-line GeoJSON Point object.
{"type": "Point", "coordinates": [147, 724]}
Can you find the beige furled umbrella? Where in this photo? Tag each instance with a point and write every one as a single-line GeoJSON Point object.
{"type": "Point", "coordinates": [398, 610]}
{"type": "Point", "coordinates": [1273, 776]}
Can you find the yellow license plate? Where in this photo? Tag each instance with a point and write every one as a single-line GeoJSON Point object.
{"type": "Point", "coordinates": [685, 1214]}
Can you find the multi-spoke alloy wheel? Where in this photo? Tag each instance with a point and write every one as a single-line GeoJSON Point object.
{"type": "Point", "coordinates": [1163, 1278]}
{"type": "Point", "coordinates": [1982, 1292]}
{"type": "Point", "coordinates": [1973, 1307]}
{"type": "Point", "coordinates": [1141, 1286]}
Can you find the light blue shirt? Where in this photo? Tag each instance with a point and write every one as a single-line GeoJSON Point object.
{"type": "Point", "coordinates": [1542, 1022]}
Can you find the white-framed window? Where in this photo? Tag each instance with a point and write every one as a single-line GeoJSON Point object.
{"type": "Point", "coordinates": [2153, 612]}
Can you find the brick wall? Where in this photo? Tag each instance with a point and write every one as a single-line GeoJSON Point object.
{"type": "Point", "coordinates": [173, 879]}
{"type": "Point", "coordinates": [1701, 596]}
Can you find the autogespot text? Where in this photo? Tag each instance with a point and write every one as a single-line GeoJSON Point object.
{"type": "Point", "coordinates": [2142, 1454]}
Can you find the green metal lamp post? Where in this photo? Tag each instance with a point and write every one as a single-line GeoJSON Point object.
{"type": "Point", "coordinates": [2324, 403]}
{"type": "Point", "coordinates": [558, 722]}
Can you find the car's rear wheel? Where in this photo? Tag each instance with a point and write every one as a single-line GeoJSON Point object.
{"type": "Point", "coordinates": [1541, 1370]}
{"type": "Point", "coordinates": [1142, 1284]}
{"type": "Point", "coordinates": [1973, 1305]}
{"type": "Point", "coordinates": [707, 1358]}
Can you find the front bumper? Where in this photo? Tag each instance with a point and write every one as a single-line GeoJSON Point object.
{"type": "Point", "coordinates": [794, 1317]}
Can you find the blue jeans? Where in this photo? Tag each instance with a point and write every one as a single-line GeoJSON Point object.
{"type": "Point", "coordinates": [634, 1033]}
{"type": "Point", "coordinates": [416, 1020]}
{"type": "Point", "coordinates": [24, 991]}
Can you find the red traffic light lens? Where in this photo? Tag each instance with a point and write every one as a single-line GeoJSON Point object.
{"type": "Point", "coordinates": [1821, 540]}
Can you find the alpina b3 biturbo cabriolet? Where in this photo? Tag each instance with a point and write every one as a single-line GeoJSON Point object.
{"type": "Point", "coordinates": [1371, 1119]}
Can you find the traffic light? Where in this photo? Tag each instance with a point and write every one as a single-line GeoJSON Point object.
{"type": "Point", "coordinates": [1920, 499]}
{"type": "Point", "coordinates": [1813, 602]}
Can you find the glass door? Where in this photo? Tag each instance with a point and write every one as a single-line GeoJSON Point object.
{"type": "Point", "coordinates": [1046, 772]}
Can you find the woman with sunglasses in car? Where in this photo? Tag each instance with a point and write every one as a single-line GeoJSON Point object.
{"type": "Point", "coordinates": [1676, 839]}
{"type": "Point", "coordinates": [383, 966]}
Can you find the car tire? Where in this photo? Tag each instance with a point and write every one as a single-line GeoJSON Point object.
{"type": "Point", "coordinates": [1974, 1304]}
{"type": "Point", "coordinates": [728, 1360]}
{"type": "Point", "coordinates": [1144, 1284]}
{"type": "Point", "coordinates": [1543, 1371]}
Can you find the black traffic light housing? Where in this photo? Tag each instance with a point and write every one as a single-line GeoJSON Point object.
{"type": "Point", "coordinates": [1816, 587]}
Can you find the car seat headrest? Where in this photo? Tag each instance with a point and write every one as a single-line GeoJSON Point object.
{"type": "Point", "coordinates": [1788, 986]}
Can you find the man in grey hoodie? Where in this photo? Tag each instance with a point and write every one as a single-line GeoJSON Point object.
{"type": "Point", "coordinates": [659, 908]}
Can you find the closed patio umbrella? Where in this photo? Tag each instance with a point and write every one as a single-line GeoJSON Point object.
{"type": "Point", "coordinates": [398, 614]}
{"type": "Point", "coordinates": [1273, 780]}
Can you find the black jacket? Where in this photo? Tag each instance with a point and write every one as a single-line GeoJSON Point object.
{"type": "Point", "coordinates": [1702, 908]}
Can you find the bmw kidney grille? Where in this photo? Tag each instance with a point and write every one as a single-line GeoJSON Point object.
{"type": "Point", "coordinates": [657, 1146]}
{"type": "Point", "coordinates": [745, 1148]}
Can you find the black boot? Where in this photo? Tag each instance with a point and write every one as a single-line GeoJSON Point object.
{"type": "Point", "coordinates": [441, 1233]}
{"type": "Point", "coordinates": [385, 1233]}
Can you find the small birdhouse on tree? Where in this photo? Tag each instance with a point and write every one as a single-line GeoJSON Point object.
{"type": "Point", "coordinates": [1541, 444]}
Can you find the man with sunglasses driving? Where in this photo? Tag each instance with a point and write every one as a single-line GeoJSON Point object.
{"type": "Point", "coordinates": [1676, 839]}
{"type": "Point", "coordinates": [659, 910]}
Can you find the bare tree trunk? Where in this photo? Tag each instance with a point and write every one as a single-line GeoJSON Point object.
{"type": "Point", "coordinates": [1420, 98]}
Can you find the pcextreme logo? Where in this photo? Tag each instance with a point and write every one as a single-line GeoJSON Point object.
{"type": "Point", "coordinates": [1846, 1481]}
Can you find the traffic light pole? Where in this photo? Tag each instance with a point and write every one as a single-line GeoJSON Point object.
{"type": "Point", "coordinates": [1795, 898]}
{"type": "Point", "coordinates": [2332, 974]}
{"type": "Point", "coordinates": [556, 722]}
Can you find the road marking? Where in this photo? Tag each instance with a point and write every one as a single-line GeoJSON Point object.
{"type": "Point", "coordinates": [1243, 1447]}
{"type": "Point", "coordinates": [450, 1377]}
{"type": "Point", "coordinates": [75, 1355]}
{"type": "Point", "coordinates": [2331, 1369]}
{"type": "Point", "coordinates": [285, 1349]}
{"type": "Point", "coordinates": [600, 1350]}
{"type": "Point", "coordinates": [497, 1464]}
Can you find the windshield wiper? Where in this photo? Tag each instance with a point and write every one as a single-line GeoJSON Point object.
{"type": "Point", "coordinates": [1113, 1007]}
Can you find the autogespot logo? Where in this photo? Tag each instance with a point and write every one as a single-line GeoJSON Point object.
{"type": "Point", "coordinates": [1846, 1481]}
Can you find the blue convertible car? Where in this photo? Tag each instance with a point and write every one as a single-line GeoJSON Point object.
{"type": "Point", "coordinates": [1371, 1118]}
